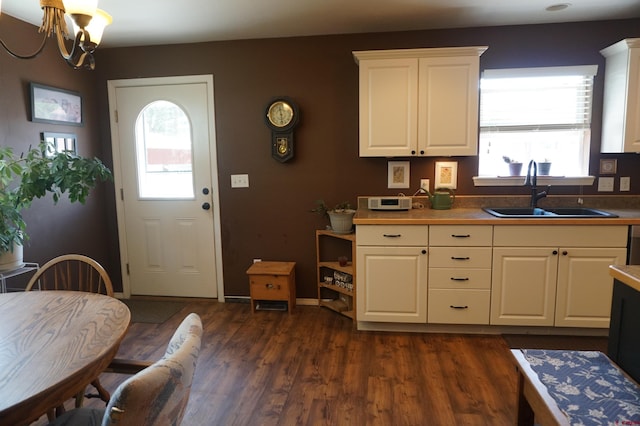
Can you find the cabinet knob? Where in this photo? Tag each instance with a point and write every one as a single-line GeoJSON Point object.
{"type": "Point", "coordinates": [459, 258]}
{"type": "Point", "coordinates": [459, 279]}
{"type": "Point", "coordinates": [458, 307]}
{"type": "Point", "coordinates": [564, 252]}
{"type": "Point", "coordinates": [413, 152]}
{"type": "Point", "coordinates": [271, 286]}
{"type": "Point", "coordinates": [421, 152]}
{"type": "Point", "coordinates": [392, 235]}
{"type": "Point", "coordinates": [423, 251]}
{"type": "Point", "coordinates": [554, 252]}
{"type": "Point", "coordinates": [461, 236]}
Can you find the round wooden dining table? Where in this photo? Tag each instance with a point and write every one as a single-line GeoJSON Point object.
{"type": "Point", "coordinates": [52, 345]}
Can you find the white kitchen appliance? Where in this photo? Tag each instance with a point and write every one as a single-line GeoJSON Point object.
{"type": "Point", "coordinates": [389, 203]}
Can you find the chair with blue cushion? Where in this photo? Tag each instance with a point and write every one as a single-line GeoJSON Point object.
{"type": "Point", "coordinates": [155, 396]}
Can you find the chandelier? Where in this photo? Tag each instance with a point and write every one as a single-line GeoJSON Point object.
{"type": "Point", "coordinates": [89, 23]}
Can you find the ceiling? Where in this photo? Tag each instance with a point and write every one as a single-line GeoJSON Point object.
{"type": "Point", "coordinates": [150, 22]}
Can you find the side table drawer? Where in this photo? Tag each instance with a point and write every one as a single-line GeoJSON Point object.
{"type": "Point", "coordinates": [459, 306]}
{"type": "Point", "coordinates": [269, 287]}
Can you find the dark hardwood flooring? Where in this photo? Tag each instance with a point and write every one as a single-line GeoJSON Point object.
{"type": "Point", "coordinates": [314, 368]}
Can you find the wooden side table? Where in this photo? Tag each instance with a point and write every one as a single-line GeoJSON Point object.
{"type": "Point", "coordinates": [273, 281]}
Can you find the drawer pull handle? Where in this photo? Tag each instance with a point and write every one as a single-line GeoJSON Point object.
{"type": "Point", "coordinates": [392, 235]}
{"type": "Point", "coordinates": [459, 279]}
{"type": "Point", "coordinates": [271, 286]}
{"type": "Point", "coordinates": [458, 307]}
{"type": "Point", "coordinates": [459, 258]}
{"type": "Point", "coordinates": [460, 236]}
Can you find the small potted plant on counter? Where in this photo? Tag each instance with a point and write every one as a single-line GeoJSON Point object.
{"type": "Point", "coordinates": [32, 175]}
{"type": "Point", "coordinates": [515, 166]}
{"type": "Point", "coordinates": [340, 217]}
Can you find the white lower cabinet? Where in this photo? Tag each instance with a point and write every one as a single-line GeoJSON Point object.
{"type": "Point", "coordinates": [504, 275]}
{"type": "Point", "coordinates": [392, 267]}
{"type": "Point", "coordinates": [554, 276]}
{"type": "Point", "coordinates": [583, 295]}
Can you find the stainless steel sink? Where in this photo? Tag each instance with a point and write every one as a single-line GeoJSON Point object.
{"type": "Point", "coordinates": [562, 212]}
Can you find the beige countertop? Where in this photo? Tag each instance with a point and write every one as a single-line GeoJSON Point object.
{"type": "Point", "coordinates": [628, 274]}
{"type": "Point", "coordinates": [468, 211]}
{"type": "Point", "coordinates": [477, 216]}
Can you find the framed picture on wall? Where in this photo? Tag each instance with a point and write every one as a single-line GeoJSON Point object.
{"type": "Point", "coordinates": [398, 174]}
{"type": "Point", "coordinates": [55, 106]}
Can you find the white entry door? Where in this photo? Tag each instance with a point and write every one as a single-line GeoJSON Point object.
{"type": "Point", "coordinates": [165, 173]}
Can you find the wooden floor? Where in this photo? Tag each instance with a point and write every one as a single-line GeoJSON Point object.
{"type": "Point", "coordinates": [314, 368]}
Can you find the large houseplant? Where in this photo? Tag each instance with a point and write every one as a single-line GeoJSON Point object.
{"type": "Point", "coordinates": [32, 175]}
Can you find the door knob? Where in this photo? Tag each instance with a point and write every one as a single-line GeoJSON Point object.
{"type": "Point", "coordinates": [206, 206]}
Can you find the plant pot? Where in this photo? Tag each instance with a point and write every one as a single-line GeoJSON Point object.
{"type": "Point", "coordinates": [342, 222]}
{"type": "Point", "coordinates": [544, 168]}
{"type": "Point", "coordinates": [11, 259]}
{"type": "Point", "coordinates": [515, 169]}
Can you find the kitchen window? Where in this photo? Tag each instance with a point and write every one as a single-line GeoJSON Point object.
{"type": "Point", "coordinates": [541, 114]}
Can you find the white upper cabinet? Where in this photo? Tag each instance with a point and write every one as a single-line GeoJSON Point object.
{"type": "Point", "coordinates": [419, 102]}
{"type": "Point", "coordinates": [621, 108]}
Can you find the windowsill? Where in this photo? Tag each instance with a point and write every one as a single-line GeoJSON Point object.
{"type": "Point", "coordinates": [542, 180]}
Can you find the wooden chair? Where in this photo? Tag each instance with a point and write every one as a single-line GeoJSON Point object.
{"type": "Point", "coordinates": [78, 273]}
{"type": "Point", "coordinates": [72, 272]}
{"type": "Point", "coordinates": [157, 395]}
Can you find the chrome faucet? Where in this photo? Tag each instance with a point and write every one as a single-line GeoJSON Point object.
{"type": "Point", "coordinates": [532, 180]}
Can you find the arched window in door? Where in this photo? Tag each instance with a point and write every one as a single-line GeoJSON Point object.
{"type": "Point", "coordinates": [164, 152]}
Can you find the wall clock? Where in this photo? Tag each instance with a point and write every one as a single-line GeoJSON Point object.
{"type": "Point", "coordinates": [282, 116]}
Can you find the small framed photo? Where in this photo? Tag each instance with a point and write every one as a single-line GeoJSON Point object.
{"type": "Point", "coordinates": [398, 174]}
{"type": "Point", "coordinates": [608, 166]}
{"type": "Point", "coordinates": [55, 106]}
{"type": "Point", "coordinates": [60, 142]}
{"type": "Point", "coordinates": [446, 174]}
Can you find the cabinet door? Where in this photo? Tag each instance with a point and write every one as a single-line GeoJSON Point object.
{"type": "Point", "coordinates": [388, 107]}
{"type": "Point", "coordinates": [448, 105]}
{"type": "Point", "coordinates": [585, 286]}
{"type": "Point", "coordinates": [392, 284]}
{"type": "Point", "coordinates": [523, 286]}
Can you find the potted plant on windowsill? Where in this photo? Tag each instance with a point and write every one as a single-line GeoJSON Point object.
{"type": "Point", "coordinates": [32, 175]}
{"type": "Point", "coordinates": [515, 166]}
{"type": "Point", "coordinates": [544, 167]}
{"type": "Point", "coordinates": [340, 217]}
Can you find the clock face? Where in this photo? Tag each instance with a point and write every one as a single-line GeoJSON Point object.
{"type": "Point", "coordinates": [280, 114]}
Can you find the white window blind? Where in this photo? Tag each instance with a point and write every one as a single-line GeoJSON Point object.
{"type": "Point", "coordinates": [536, 113]}
{"type": "Point", "coordinates": [537, 98]}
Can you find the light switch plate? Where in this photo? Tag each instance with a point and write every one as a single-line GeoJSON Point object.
{"type": "Point", "coordinates": [239, 181]}
{"type": "Point", "coordinates": [625, 183]}
{"type": "Point", "coordinates": [605, 184]}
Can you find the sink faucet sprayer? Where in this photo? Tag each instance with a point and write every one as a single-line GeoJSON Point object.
{"type": "Point", "coordinates": [532, 180]}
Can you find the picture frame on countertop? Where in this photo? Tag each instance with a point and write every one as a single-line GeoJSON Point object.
{"type": "Point", "coordinates": [60, 142]}
{"type": "Point", "coordinates": [446, 175]}
{"type": "Point", "coordinates": [398, 173]}
{"type": "Point", "coordinates": [55, 106]}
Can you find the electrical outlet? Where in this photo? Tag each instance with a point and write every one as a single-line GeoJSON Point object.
{"type": "Point", "coordinates": [424, 184]}
{"type": "Point", "coordinates": [625, 183]}
{"type": "Point", "coordinates": [257, 260]}
{"type": "Point", "coordinates": [239, 181]}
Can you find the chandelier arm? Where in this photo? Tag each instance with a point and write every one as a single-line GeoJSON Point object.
{"type": "Point", "coordinates": [30, 56]}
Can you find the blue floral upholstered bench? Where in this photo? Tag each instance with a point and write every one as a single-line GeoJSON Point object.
{"type": "Point", "coordinates": [560, 387]}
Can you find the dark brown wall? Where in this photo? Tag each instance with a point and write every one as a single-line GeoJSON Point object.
{"type": "Point", "coordinates": [271, 218]}
{"type": "Point", "coordinates": [65, 228]}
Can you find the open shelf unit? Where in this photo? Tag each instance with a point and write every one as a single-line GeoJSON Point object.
{"type": "Point", "coordinates": [330, 246]}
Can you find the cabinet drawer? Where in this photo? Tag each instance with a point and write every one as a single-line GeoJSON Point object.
{"type": "Point", "coordinates": [392, 235]}
{"type": "Point", "coordinates": [456, 278]}
{"type": "Point", "coordinates": [456, 235]}
{"type": "Point", "coordinates": [269, 287]}
{"type": "Point", "coordinates": [458, 306]}
{"type": "Point", "coordinates": [460, 257]}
